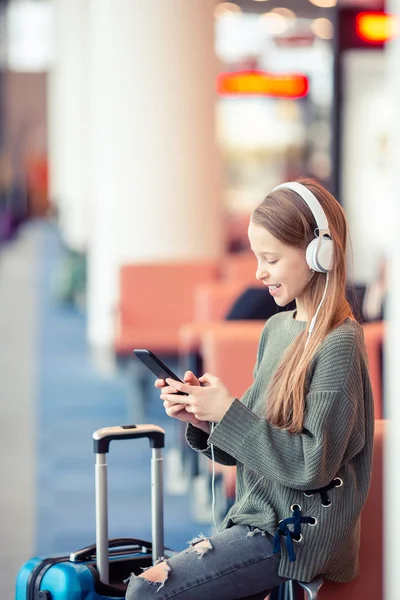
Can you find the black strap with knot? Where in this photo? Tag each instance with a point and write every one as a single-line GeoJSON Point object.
{"type": "Point", "coordinates": [337, 482]}
{"type": "Point", "coordinates": [294, 534]}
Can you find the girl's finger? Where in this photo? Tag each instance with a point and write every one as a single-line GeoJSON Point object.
{"type": "Point", "coordinates": [169, 390]}
{"type": "Point", "coordinates": [191, 378]}
{"type": "Point", "coordinates": [208, 379]}
{"type": "Point", "coordinates": [178, 385]}
{"type": "Point", "coordinates": [172, 407]}
{"type": "Point", "coordinates": [174, 399]}
{"type": "Point", "coordinates": [159, 383]}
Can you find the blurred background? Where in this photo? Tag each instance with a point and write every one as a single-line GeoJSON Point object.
{"type": "Point", "coordinates": [135, 140]}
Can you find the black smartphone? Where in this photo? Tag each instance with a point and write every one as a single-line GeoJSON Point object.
{"type": "Point", "coordinates": [156, 366]}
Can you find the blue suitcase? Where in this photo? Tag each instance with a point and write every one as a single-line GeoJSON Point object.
{"type": "Point", "coordinates": [101, 571]}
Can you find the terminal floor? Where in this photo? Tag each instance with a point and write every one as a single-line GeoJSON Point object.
{"type": "Point", "coordinates": [53, 398]}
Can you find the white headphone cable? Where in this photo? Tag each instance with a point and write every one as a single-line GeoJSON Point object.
{"type": "Point", "coordinates": [213, 480]}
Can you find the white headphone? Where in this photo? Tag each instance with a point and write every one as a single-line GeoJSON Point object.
{"type": "Point", "coordinates": [319, 252]}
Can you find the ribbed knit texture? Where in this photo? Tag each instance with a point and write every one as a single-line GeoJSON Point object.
{"type": "Point", "coordinates": [337, 441]}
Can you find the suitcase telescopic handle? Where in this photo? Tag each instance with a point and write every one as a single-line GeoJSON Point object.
{"type": "Point", "coordinates": [102, 439]}
{"type": "Point", "coordinates": [117, 545]}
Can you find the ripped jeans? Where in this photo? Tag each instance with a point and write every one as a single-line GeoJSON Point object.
{"type": "Point", "coordinates": [236, 563]}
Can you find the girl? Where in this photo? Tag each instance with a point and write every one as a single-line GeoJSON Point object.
{"type": "Point", "coordinates": [301, 437]}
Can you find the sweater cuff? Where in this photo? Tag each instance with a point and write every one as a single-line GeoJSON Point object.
{"type": "Point", "coordinates": [196, 438]}
{"type": "Point", "coordinates": [232, 430]}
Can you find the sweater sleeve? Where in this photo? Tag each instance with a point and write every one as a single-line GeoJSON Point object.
{"type": "Point", "coordinates": [333, 425]}
{"type": "Point", "coordinates": [201, 441]}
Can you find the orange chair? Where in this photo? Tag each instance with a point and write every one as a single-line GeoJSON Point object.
{"type": "Point", "coordinates": [230, 353]}
{"type": "Point", "coordinates": [191, 335]}
{"type": "Point", "coordinates": [213, 299]}
{"type": "Point", "coordinates": [239, 266]}
{"type": "Point", "coordinates": [374, 339]}
{"type": "Point", "coordinates": [154, 301]}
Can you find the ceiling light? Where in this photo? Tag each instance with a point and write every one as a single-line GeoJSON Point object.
{"type": "Point", "coordinates": [224, 8]}
{"type": "Point", "coordinates": [322, 28]}
{"type": "Point", "coordinates": [260, 0]}
{"type": "Point", "coordinates": [377, 27]}
{"type": "Point", "coordinates": [284, 12]}
{"type": "Point", "coordinates": [275, 24]}
{"type": "Point", "coordinates": [324, 3]}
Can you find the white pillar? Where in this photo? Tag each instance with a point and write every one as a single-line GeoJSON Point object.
{"type": "Point", "coordinates": [392, 449]}
{"type": "Point", "coordinates": [67, 118]}
{"type": "Point", "coordinates": [154, 177]}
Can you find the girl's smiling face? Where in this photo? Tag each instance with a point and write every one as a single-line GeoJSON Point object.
{"type": "Point", "coordinates": [282, 268]}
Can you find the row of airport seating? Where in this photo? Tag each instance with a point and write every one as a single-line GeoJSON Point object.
{"type": "Point", "coordinates": [156, 299]}
{"type": "Point", "coordinates": [178, 309]}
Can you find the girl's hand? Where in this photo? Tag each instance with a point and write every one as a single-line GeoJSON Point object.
{"type": "Point", "coordinates": [207, 403]}
{"type": "Point", "coordinates": [188, 378]}
{"type": "Point", "coordinates": [177, 410]}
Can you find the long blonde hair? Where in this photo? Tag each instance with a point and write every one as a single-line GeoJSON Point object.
{"type": "Point", "coordinates": [287, 217]}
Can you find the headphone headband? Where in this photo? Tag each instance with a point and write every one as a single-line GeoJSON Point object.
{"type": "Point", "coordinates": [311, 201]}
{"type": "Point", "coordinates": [319, 252]}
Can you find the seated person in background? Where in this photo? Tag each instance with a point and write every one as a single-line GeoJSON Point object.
{"type": "Point", "coordinates": [255, 303]}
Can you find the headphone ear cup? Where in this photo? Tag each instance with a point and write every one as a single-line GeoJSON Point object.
{"type": "Point", "coordinates": [310, 252]}
{"type": "Point", "coordinates": [320, 259]}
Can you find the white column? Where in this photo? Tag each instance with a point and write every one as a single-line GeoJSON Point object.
{"type": "Point", "coordinates": [154, 176]}
{"type": "Point", "coordinates": [67, 118]}
{"type": "Point", "coordinates": [364, 164]}
{"type": "Point", "coordinates": [392, 398]}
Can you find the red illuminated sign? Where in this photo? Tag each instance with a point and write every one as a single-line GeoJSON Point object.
{"type": "Point", "coordinates": [375, 28]}
{"type": "Point", "coordinates": [259, 83]}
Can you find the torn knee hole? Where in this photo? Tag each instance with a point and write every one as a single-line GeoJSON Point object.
{"type": "Point", "coordinates": [158, 574]}
{"type": "Point", "coordinates": [202, 547]}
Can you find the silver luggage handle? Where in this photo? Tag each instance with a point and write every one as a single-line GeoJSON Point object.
{"type": "Point", "coordinates": [102, 438]}
{"type": "Point", "coordinates": [116, 547]}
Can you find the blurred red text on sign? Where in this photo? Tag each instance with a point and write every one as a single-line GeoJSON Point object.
{"type": "Point", "coordinates": [260, 83]}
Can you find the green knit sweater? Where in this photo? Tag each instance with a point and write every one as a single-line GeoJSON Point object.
{"type": "Point", "coordinates": [336, 442]}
